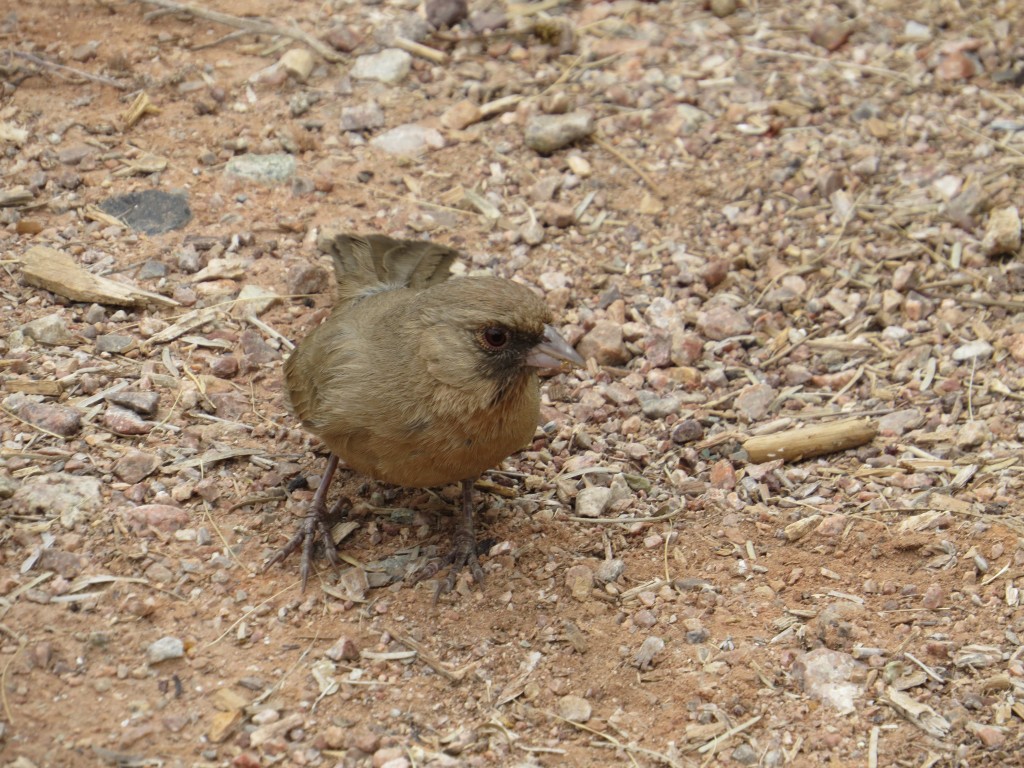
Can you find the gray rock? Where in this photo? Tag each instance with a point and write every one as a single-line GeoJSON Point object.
{"type": "Point", "coordinates": [58, 419]}
{"type": "Point", "coordinates": [591, 502]}
{"type": "Point", "coordinates": [753, 401]}
{"type": "Point", "coordinates": [188, 259]}
{"type": "Point", "coordinates": [971, 435]}
{"type": "Point", "coordinates": [114, 343]}
{"type": "Point", "coordinates": [487, 20]}
{"type": "Point", "coordinates": [547, 133]}
{"type": "Point", "coordinates": [445, 13]}
{"type": "Point", "coordinates": [971, 350]}
{"type": "Point", "coordinates": [1003, 233]}
{"type": "Point", "coordinates": [605, 344]}
{"type": "Point", "coordinates": [650, 648]}
{"type": "Point", "coordinates": [8, 485]}
{"type": "Point", "coordinates": [153, 211]}
{"type": "Point", "coordinates": [73, 498]}
{"type": "Point", "coordinates": [580, 580]}
{"type": "Point", "coordinates": [645, 619]}
{"type": "Point", "coordinates": [362, 117]}
{"type": "Point", "coordinates": [697, 635]}
{"type": "Point", "coordinates": [342, 38]}
{"type": "Point", "coordinates": [164, 649]}
{"type": "Point", "coordinates": [744, 754]}
{"type": "Point", "coordinates": [687, 348]}
{"type": "Point", "coordinates": [255, 300]}
{"type": "Point", "coordinates": [344, 649]}
{"type": "Point", "coordinates": [826, 675]}
{"type": "Point", "coordinates": [407, 140]}
{"type": "Point", "coordinates": [866, 167]}
{"type": "Point", "coordinates": [145, 519]}
{"type": "Point", "coordinates": [686, 431]}
{"type": "Point", "coordinates": [532, 232]}
{"type": "Point", "coordinates": [125, 422]}
{"type": "Point", "coordinates": [152, 270]}
{"type": "Point", "coordinates": [575, 709]}
{"type": "Point", "coordinates": [51, 330]}
{"type": "Point", "coordinates": [389, 66]}
{"type": "Point", "coordinates": [75, 154]}
{"type": "Point", "coordinates": [256, 349]}
{"type": "Point", "coordinates": [899, 422]}
{"type": "Point", "coordinates": [135, 466]}
{"type": "Point", "coordinates": [663, 313]}
{"type": "Point", "coordinates": [686, 119]}
{"type": "Point", "coordinates": [304, 279]}
{"type": "Point", "coordinates": [144, 403]}
{"type": "Point", "coordinates": [609, 571]}
{"type": "Point", "coordinates": [266, 169]}
{"type": "Point", "coordinates": [722, 322]}
{"type": "Point", "coordinates": [658, 407]}
{"type": "Point", "coordinates": [95, 314]}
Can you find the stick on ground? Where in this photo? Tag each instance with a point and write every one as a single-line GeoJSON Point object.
{"type": "Point", "coordinates": [807, 442]}
{"type": "Point", "coordinates": [256, 26]}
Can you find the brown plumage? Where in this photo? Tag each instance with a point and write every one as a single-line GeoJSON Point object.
{"type": "Point", "coordinates": [418, 380]}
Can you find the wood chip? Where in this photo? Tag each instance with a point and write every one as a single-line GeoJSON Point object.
{"type": "Point", "coordinates": [10, 198]}
{"type": "Point", "coordinates": [921, 715]}
{"type": "Point", "coordinates": [808, 442]}
{"type": "Point", "coordinates": [223, 724]}
{"type": "Point", "coordinates": [33, 387]}
{"type": "Point", "coordinates": [57, 272]}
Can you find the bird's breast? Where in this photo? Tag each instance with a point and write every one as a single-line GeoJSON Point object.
{"type": "Point", "coordinates": [442, 444]}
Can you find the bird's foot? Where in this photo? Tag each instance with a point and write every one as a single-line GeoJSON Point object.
{"type": "Point", "coordinates": [462, 555]}
{"type": "Point", "coordinates": [314, 522]}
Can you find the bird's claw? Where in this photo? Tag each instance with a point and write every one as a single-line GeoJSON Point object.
{"type": "Point", "coordinates": [462, 555]}
{"type": "Point", "coordinates": [314, 522]}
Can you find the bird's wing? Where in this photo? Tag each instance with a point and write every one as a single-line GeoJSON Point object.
{"type": "Point", "coordinates": [364, 265]}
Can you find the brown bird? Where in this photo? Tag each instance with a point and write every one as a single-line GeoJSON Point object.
{"type": "Point", "coordinates": [418, 380]}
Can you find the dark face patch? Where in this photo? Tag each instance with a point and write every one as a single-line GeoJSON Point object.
{"type": "Point", "coordinates": [504, 363]}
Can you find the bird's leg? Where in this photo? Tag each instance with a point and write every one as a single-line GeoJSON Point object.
{"type": "Point", "coordinates": [463, 551]}
{"type": "Point", "coordinates": [315, 520]}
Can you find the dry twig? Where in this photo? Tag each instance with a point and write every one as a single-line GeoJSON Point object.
{"type": "Point", "coordinates": [62, 69]}
{"type": "Point", "coordinates": [256, 26]}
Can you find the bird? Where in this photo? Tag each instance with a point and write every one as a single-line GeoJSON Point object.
{"type": "Point", "coordinates": [418, 380]}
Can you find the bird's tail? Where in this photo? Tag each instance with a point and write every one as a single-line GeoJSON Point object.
{"type": "Point", "coordinates": [368, 264]}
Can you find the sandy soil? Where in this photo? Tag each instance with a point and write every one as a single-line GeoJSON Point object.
{"type": "Point", "coordinates": [787, 214]}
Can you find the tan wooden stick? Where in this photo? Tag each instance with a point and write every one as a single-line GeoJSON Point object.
{"type": "Point", "coordinates": [807, 442]}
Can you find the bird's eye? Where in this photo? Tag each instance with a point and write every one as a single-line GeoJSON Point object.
{"type": "Point", "coordinates": [495, 338]}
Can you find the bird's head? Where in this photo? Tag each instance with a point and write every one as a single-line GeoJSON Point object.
{"type": "Point", "coordinates": [487, 334]}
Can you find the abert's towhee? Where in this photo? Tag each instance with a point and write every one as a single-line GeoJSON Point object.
{"type": "Point", "coordinates": [418, 380]}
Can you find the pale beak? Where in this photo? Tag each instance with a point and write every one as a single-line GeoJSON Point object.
{"type": "Point", "coordinates": [553, 352]}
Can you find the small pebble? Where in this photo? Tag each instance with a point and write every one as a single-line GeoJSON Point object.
{"type": "Point", "coordinates": [592, 502]}
{"type": "Point", "coordinates": [164, 649]}
{"type": "Point", "coordinates": [389, 66]}
{"type": "Point", "coordinates": [49, 329]}
{"type": "Point", "coordinates": [650, 648]}
{"type": "Point", "coordinates": [609, 571]}
{"type": "Point", "coordinates": [575, 709]}
{"type": "Point", "coordinates": [1003, 232]}
{"type": "Point", "coordinates": [547, 133]}
{"type": "Point", "coordinates": [57, 419]}
{"type": "Point", "coordinates": [408, 140]}
{"type": "Point", "coordinates": [605, 344]}
{"type": "Point", "coordinates": [972, 350]}
{"type": "Point", "coordinates": [580, 580]}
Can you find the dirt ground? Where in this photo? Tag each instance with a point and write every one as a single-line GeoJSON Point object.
{"type": "Point", "coordinates": [777, 215]}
